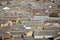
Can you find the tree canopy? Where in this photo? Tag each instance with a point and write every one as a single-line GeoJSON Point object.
{"type": "Point", "coordinates": [53, 14]}
{"type": "Point", "coordinates": [19, 21]}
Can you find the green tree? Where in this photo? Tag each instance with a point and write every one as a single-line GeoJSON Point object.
{"type": "Point", "coordinates": [19, 21]}
{"type": "Point", "coordinates": [8, 2]}
{"type": "Point", "coordinates": [53, 14]}
{"type": "Point", "coordinates": [37, 0]}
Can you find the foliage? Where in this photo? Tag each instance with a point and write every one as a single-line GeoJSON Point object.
{"type": "Point", "coordinates": [53, 14]}
{"type": "Point", "coordinates": [8, 2]}
{"type": "Point", "coordinates": [19, 21]}
{"type": "Point", "coordinates": [37, 0]}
